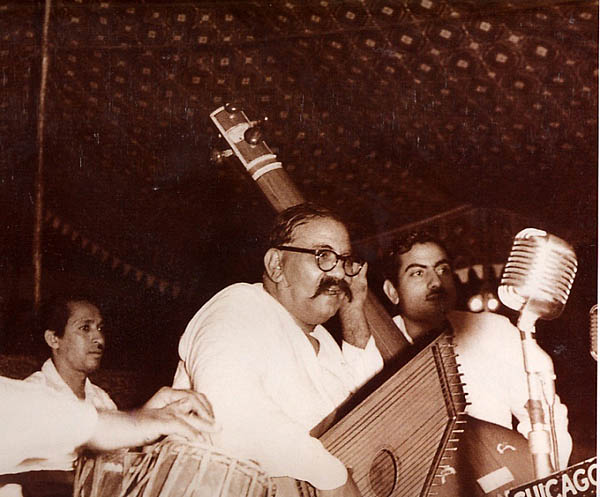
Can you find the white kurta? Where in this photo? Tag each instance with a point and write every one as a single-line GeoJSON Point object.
{"type": "Point", "coordinates": [37, 423]}
{"type": "Point", "coordinates": [49, 377]}
{"type": "Point", "coordinates": [267, 386]}
{"type": "Point", "coordinates": [490, 358]}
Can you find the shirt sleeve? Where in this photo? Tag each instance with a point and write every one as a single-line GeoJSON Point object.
{"type": "Point", "coordinates": [225, 359]}
{"type": "Point", "coordinates": [491, 358]}
{"type": "Point", "coordinates": [36, 378]}
{"type": "Point", "coordinates": [560, 411]}
{"type": "Point", "coordinates": [101, 399]}
{"type": "Point", "coordinates": [564, 441]}
{"type": "Point", "coordinates": [365, 363]}
{"type": "Point", "coordinates": [516, 378]}
{"type": "Point", "coordinates": [37, 423]}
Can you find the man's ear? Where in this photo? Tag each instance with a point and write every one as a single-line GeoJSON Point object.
{"type": "Point", "coordinates": [51, 339]}
{"type": "Point", "coordinates": [390, 290]}
{"type": "Point", "coordinates": [273, 267]}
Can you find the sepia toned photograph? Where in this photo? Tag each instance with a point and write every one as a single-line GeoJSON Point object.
{"type": "Point", "coordinates": [298, 248]}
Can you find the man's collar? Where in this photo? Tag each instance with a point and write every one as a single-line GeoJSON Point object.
{"type": "Point", "coordinates": [399, 322]}
{"type": "Point", "coordinates": [49, 369]}
{"type": "Point", "coordinates": [52, 374]}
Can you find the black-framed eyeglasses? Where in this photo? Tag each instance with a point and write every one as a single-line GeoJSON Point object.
{"type": "Point", "coordinates": [327, 259]}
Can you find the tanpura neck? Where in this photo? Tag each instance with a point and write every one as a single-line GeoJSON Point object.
{"type": "Point", "coordinates": [74, 379]}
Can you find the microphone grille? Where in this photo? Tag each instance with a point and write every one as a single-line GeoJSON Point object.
{"type": "Point", "coordinates": [594, 331]}
{"type": "Point", "coordinates": [539, 274]}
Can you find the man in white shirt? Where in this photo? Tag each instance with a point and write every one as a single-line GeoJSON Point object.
{"type": "Point", "coordinates": [39, 423]}
{"type": "Point", "coordinates": [270, 369]}
{"type": "Point", "coordinates": [420, 283]}
{"type": "Point", "coordinates": [74, 333]}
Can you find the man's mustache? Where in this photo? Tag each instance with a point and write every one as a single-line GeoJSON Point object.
{"type": "Point", "coordinates": [98, 347]}
{"type": "Point", "coordinates": [437, 292]}
{"type": "Point", "coordinates": [328, 282]}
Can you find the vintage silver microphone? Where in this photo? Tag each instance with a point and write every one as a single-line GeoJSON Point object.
{"type": "Point", "coordinates": [538, 276]}
{"type": "Point", "coordinates": [594, 332]}
{"type": "Point", "coordinates": [536, 281]}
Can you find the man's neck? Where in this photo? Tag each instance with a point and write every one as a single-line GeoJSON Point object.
{"type": "Point", "coordinates": [74, 379]}
{"type": "Point", "coordinates": [419, 329]}
{"type": "Point", "coordinates": [271, 288]}
{"type": "Point", "coordinates": [307, 329]}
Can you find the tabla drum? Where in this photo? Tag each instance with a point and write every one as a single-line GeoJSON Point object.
{"type": "Point", "coordinates": [170, 468]}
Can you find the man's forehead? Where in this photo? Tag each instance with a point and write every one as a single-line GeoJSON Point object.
{"type": "Point", "coordinates": [322, 231]}
{"type": "Point", "coordinates": [83, 310]}
{"type": "Point", "coordinates": [424, 254]}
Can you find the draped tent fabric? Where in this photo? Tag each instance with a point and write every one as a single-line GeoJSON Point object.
{"type": "Point", "coordinates": [391, 110]}
{"type": "Point", "coordinates": [474, 236]}
{"type": "Point", "coordinates": [102, 255]}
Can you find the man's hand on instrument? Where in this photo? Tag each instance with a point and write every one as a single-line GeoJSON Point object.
{"type": "Point", "coordinates": [185, 401]}
{"type": "Point", "coordinates": [155, 423]}
{"type": "Point", "coordinates": [348, 489]}
{"type": "Point", "coordinates": [355, 329]}
{"type": "Point", "coordinates": [169, 412]}
{"type": "Point", "coordinates": [183, 412]}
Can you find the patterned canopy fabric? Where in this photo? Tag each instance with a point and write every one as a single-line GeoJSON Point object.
{"type": "Point", "coordinates": [389, 110]}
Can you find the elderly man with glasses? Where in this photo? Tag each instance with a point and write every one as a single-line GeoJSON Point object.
{"type": "Point", "coordinates": [270, 369]}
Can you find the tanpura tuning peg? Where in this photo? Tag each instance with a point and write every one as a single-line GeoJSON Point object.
{"type": "Point", "coordinates": [253, 135]}
{"type": "Point", "coordinates": [217, 156]}
{"type": "Point", "coordinates": [231, 108]}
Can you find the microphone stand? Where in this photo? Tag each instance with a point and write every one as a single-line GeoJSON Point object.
{"type": "Point", "coordinates": [539, 387]}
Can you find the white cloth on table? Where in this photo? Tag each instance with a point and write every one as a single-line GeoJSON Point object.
{"type": "Point", "coordinates": [267, 385]}
{"type": "Point", "coordinates": [49, 377]}
{"type": "Point", "coordinates": [490, 358]}
{"type": "Point", "coordinates": [38, 424]}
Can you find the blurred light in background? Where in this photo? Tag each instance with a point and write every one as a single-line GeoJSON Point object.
{"type": "Point", "coordinates": [480, 286]}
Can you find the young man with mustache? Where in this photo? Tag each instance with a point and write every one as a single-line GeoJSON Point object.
{"type": "Point", "coordinates": [420, 283]}
{"type": "Point", "coordinates": [269, 368]}
{"type": "Point", "coordinates": [74, 333]}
